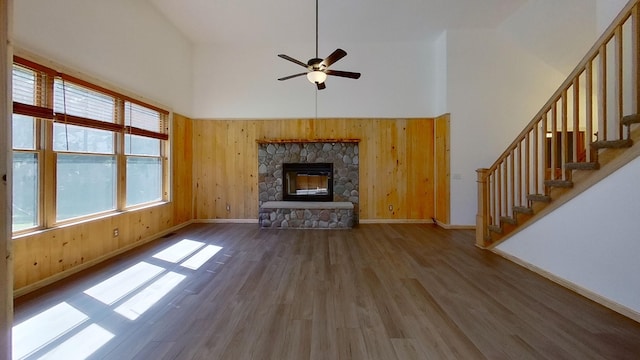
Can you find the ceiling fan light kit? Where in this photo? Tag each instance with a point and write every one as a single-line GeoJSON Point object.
{"type": "Point", "coordinates": [316, 77]}
{"type": "Point", "coordinates": [318, 69]}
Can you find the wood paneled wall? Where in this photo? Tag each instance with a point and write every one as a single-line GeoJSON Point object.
{"type": "Point", "coordinates": [442, 156]}
{"type": "Point", "coordinates": [182, 175]}
{"type": "Point", "coordinates": [50, 254]}
{"type": "Point", "coordinates": [396, 164]}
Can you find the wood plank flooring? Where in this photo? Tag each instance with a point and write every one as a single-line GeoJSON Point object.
{"type": "Point", "coordinates": [373, 292]}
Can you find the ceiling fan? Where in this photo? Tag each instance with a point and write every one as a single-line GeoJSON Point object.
{"type": "Point", "coordinates": [318, 69]}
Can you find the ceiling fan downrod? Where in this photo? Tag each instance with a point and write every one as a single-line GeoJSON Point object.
{"type": "Point", "coordinates": [318, 69]}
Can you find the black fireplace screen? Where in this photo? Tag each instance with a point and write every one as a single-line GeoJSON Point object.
{"type": "Point", "coordinates": [307, 182]}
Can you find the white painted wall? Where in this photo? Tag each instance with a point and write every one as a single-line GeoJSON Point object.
{"type": "Point", "coordinates": [398, 80]}
{"type": "Point", "coordinates": [559, 33]}
{"type": "Point", "coordinates": [606, 11]}
{"type": "Point", "coordinates": [494, 88]}
{"type": "Point", "coordinates": [440, 64]}
{"type": "Point", "coordinates": [591, 241]}
{"type": "Point", "coordinates": [126, 43]}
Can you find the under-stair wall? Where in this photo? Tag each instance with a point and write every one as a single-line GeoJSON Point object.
{"type": "Point", "coordinates": [590, 244]}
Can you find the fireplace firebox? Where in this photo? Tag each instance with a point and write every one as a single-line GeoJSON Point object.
{"type": "Point", "coordinates": [307, 181]}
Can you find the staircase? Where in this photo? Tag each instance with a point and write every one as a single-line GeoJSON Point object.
{"type": "Point", "coordinates": [585, 131]}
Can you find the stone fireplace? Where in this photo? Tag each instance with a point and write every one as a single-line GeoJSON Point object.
{"type": "Point", "coordinates": [276, 155]}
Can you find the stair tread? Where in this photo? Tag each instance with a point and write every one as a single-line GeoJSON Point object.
{"type": "Point", "coordinates": [631, 119]}
{"type": "Point", "coordinates": [496, 229]}
{"type": "Point", "coordinates": [582, 166]}
{"type": "Point", "coordinates": [612, 144]}
{"type": "Point", "coordinates": [523, 210]}
{"type": "Point", "coordinates": [539, 197]}
{"type": "Point", "coordinates": [559, 183]}
{"type": "Point", "coordinates": [508, 220]}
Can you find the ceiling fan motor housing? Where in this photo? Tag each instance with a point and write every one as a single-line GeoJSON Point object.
{"type": "Point", "coordinates": [316, 64]}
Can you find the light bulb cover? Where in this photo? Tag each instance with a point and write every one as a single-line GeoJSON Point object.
{"type": "Point", "coordinates": [316, 77]}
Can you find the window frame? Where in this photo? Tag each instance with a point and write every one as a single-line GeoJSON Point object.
{"type": "Point", "coordinates": [35, 111]}
{"type": "Point", "coordinates": [45, 117]}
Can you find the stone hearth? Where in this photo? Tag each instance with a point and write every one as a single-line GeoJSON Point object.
{"type": "Point", "coordinates": [306, 215]}
{"type": "Point", "coordinates": [343, 155]}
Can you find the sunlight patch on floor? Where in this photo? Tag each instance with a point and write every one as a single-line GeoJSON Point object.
{"type": "Point", "coordinates": [40, 330]}
{"type": "Point", "coordinates": [200, 258]}
{"type": "Point", "coordinates": [146, 298]}
{"type": "Point", "coordinates": [64, 332]}
{"type": "Point", "coordinates": [124, 283]}
{"type": "Point", "coordinates": [81, 345]}
{"type": "Point", "coordinates": [175, 253]}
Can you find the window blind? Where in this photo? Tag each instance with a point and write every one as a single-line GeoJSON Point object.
{"type": "Point", "coordinates": [28, 92]}
{"type": "Point", "coordinates": [78, 105]}
{"type": "Point", "coordinates": [143, 121]}
{"type": "Point", "coordinates": [81, 103]}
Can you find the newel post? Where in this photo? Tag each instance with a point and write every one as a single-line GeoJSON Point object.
{"type": "Point", "coordinates": [482, 217]}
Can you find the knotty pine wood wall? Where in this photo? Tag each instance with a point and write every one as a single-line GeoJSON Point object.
{"type": "Point", "coordinates": [396, 164]}
{"type": "Point", "coordinates": [48, 255]}
{"type": "Point", "coordinates": [442, 155]}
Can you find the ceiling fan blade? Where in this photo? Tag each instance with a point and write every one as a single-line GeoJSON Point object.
{"type": "Point", "coordinates": [335, 56]}
{"type": "Point", "coordinates": [287, 57]}
{"type": "Point", "coordinates": [292, 76]}
{"type": "Point", "coordinates": [321, 86]}
{"type": "Point", "coordinates": [347, 74]}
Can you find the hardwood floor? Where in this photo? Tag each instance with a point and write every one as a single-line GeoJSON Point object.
{"type": "Point", "coordinates": [374, 292]}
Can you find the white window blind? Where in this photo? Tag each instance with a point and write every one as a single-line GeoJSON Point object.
{"type": "Point", "coordinates": [144, 121]}
{"type": "Point", "coordinates": [75, 100]}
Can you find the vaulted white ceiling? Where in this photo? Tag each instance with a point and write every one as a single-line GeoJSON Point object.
{"type": "Point", "coordinates": [293, 21]}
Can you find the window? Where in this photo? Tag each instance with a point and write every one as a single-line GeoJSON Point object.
{"type": "Point", "coordinates": [26, 175]}
{"type": "Point", "coordinates": [25, 190]}
{"type": "Point", "coordinates": [85, 184]}
{"type": "Point", "coordinates": [143, 151]}
{"type": "Point", "coordinates": [86, 159]}
{"type": "Point", "coordinates": [102, 152]}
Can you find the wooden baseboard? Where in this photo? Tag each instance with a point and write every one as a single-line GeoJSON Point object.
{"type": "Point", "coordinates": [361, 221]}
{"type": "Point", "coordinates": [61, 275]}
{"type": "Point", "coordinates": [455, 227]}
{"type": "Point", "coordinates": [621, 309]}
{"type": "Point", "coordinates": [225, 221]}
{"type": "Point", "coordinates": [395, 221]}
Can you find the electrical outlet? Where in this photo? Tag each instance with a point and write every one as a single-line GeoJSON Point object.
{"type": "Point", "coordinates": [228, 207]}
{"type": "Point", "coordinates": [116, 232]}
{"type": "Point", "coordinates": [390, 207]}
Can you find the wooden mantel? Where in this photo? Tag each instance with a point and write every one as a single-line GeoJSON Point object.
{"type": "Point", "coordinates": [289, 141]}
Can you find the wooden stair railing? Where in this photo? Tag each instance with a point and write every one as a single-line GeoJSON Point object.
{"type": "Point", "coordinates": [585, 115]}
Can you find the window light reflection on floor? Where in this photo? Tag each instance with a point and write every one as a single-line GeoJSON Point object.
{"type": "Point", "coordinates": [177, 252]}
{"type": "Point", "coordinates": [200, 258]}
{"type": "Point", "coordinates": [124, 283]}
{"type": "Point", "coordinates": [40, 330]}
{"type": "Point", "coordinates": [81, 345]}
{"type": "Point", "coordinates": [43, 331]}
{"type": "Point", "coordinates": [143, 300]}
